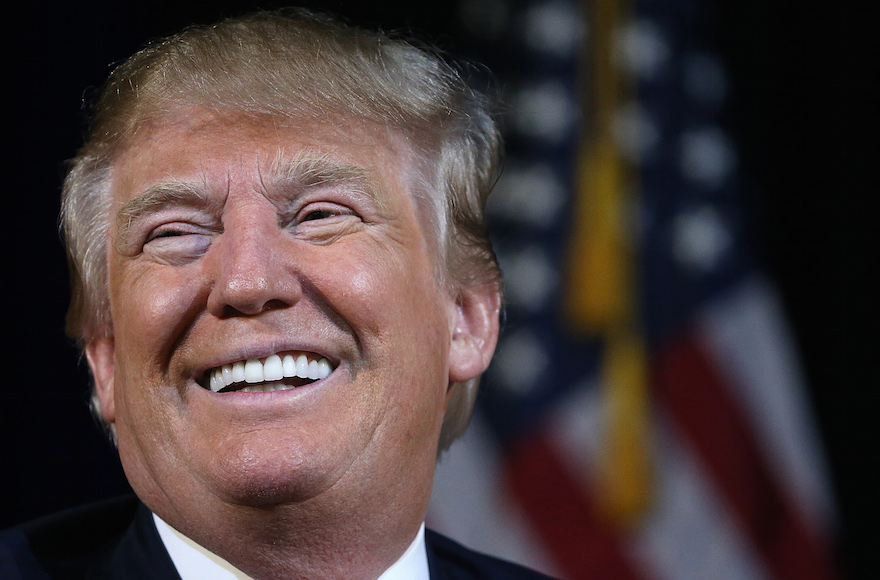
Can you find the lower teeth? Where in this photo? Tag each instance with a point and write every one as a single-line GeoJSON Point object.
{"type": "Point", "coordinates": [266, 388]}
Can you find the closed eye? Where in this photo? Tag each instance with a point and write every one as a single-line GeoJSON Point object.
{"type": "Point", "coordinates": [166, 234]}
{"type": "Point", "coordinates": [173, 230]}
{"type": "Point", "coordinates": [318, 214]}
{"type": "Point", "coordinates": [178, 244]}
{"type": "Point", "coordinates": [322, 210]}
{"type": "Point", "coordinates": [324, 222]}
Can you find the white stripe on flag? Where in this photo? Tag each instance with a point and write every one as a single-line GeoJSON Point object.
{"type": "Point", "coordinates": [746, 335]}
{"type": "Point", "coordinates": [688, 533]}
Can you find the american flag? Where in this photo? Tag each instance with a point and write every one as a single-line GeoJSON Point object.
{"type": "Point", "coordinates": [645, 416]}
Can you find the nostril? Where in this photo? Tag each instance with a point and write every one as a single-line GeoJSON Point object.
{"type": "Point", "coordinates": [231, 302]}
{"type": "Point", "coordinates": [232, 311]}
{"type": "Point", "coordinates": [275, 305]}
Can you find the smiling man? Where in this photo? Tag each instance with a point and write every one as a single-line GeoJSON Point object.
{"type": "Point", "coordinates": [284, 289]}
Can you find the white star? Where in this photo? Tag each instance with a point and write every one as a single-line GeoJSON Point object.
{"type": "Point", "coordinates": [531, 194]}
{"type": "Point", "coordinates": [635, 132]}
{"type": "Point", "coordinates": [642, 48]}
{"type": "Point", "coordinates": [699, 239]}
{"type": "Point", "coordinates": [529, 277]}
{"type": "Point", "coordinates": [555, 28]}
{"type": "Point", "coordinates": [520, 361]}
{"type": "Point", "coordinates": [545, 111]}
{"type": "Point", "coordinates": [706, 156]}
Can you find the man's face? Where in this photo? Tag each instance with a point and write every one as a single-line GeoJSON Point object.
{"type": "Point", "coordinates": [269, 248]}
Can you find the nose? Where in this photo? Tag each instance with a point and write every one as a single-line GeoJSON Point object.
{"type": "Point", "coordinates": [251, 271]}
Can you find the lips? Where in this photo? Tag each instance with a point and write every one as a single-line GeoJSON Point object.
{"type": "Point", "coordinates": [280, 371]}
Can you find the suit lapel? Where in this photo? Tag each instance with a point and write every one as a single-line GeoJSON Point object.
{"type": "Point", "coordinates": [139, 555]}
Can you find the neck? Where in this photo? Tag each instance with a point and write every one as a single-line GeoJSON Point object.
{"type": "Point", "coordinates": [303, 540]}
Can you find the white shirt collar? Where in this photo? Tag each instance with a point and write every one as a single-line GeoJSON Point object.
{"type": "Point", "coordinates": [193, 562]}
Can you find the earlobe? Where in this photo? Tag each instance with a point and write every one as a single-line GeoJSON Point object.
{"type": "Point", "coordinates": [474, 332]}
{"type": "Point", "coordinates": [100, 356]}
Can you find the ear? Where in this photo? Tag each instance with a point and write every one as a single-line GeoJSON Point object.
{"type": "Point", "coordinates": [474, 331]}
{"type": "Point", "coordinates": [100, 356]}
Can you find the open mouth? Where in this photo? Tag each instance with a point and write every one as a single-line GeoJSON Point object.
{"type": "Point", "coordinates": [277, 372]}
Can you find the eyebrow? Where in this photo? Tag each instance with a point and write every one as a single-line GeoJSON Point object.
{"type": "Point", "coordinates": [310, 169]}
{"type": "Point", "coordinates": [157, 196]}
{"type": "Point", "coordinates": [307, 170]}
{"type": "Point", "coordinates": [304, 170]}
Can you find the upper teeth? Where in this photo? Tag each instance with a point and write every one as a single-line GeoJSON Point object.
{"type": "Point", "coordinates": [274, 368]}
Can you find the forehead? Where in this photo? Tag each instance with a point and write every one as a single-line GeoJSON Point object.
{"type": "Point", "coordinates": [214, 148]}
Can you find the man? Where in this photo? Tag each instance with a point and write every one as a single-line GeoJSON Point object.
{"type": "Point", "coordinates": [284, 289]}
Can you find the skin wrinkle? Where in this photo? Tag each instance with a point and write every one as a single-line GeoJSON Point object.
{"type": "Point", "coordinates": [307, 170]}
{"type": "Point", "coordinates": [156, 198]}
{"type": "Point", "coordinates": [290, 176]}
{"type": "Point", "coordinates": [311, 293]}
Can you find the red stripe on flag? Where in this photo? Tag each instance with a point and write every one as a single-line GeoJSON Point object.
{"type": "Point", "coordinates": [703, 409]}
{"type": "Point", "coordinates": [558, 508]}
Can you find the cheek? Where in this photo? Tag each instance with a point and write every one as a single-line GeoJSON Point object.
{"type": "Point", "coordinates": [362, 283]}
{"type": "Point", "coordinates": [150, 304]}
{"type": "Point", "coordinates": [150, 314]}
{"type": "Point", "coordinates": [392, 297]}
{"type": "Point", "coordinates": [388, 296]}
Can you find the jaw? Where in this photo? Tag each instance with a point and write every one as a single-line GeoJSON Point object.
{"type": "Point", "coordinates": [292, 468]}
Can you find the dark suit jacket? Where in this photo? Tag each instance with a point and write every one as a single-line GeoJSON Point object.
{"type": "Point", "coordinates": [117, 540]}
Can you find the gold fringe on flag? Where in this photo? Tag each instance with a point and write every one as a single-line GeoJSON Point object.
{"type": "Point", "coordinates": [603, 299]}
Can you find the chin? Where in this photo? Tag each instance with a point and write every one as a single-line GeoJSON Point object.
{"type": "Point", "coordinates": [262, 474]}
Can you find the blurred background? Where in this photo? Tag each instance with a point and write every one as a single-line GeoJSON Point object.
{"type": "Point", "coordinates": [682, 387]}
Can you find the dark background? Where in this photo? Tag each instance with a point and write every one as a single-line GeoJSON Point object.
{"type": "Point", "coordinates": [802, 80]}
